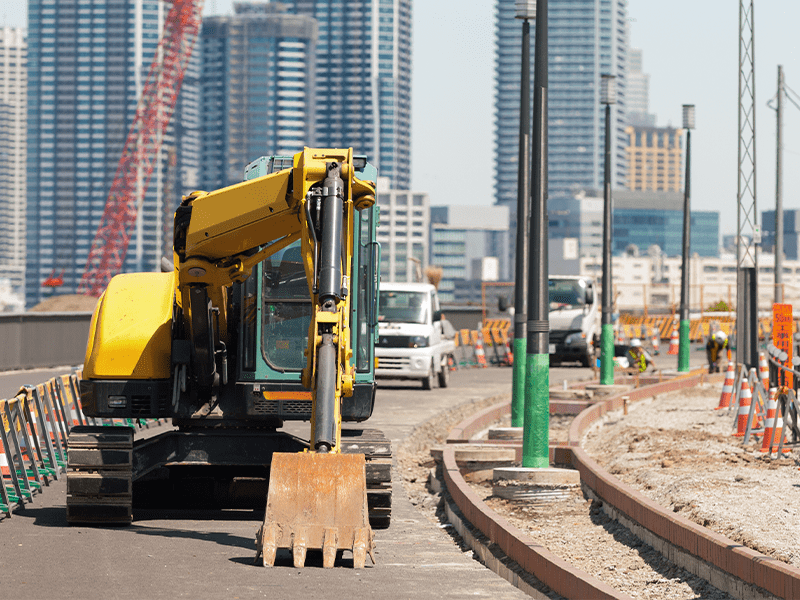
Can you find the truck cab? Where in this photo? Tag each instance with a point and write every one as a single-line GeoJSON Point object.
{"type": "Point", "coordinates": [411, 340]}
{"type": "Point", "coordinates": [574, 318]}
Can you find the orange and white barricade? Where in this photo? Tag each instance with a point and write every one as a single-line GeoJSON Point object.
{"type": "Point", "coordinates": [727, 387]}
{"type": "Point", "coordinates": [480, 355]}
{"type": "Point", "coordinates": [745, 401]}
{"type": "Point", "coordinates": [674, 342]}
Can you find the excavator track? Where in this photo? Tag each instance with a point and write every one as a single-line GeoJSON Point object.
{"type": "Point", "coordinates": [99, 476]}
{"type": "Point", "coordinates": [377, 449]}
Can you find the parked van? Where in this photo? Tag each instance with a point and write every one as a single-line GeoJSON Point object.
{"type": "Point", "coordinates": [412, 343]}
{"type": "Point", "coordinates": [574, 318]}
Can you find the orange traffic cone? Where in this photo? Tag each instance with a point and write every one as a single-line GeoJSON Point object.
{"type": "Point", "coordinates": [479, 353]}
{"type": "Point", "coordinates": [745, 399]}
{"type": "Point", "coordinates": [763, 370]}
{"type": "Point", "coordinates": [656, 343]}
{"type": "Point", "coordinates": [673, 342]}
{"type": "Point", "coordinates": [773, 429]}
{"type": "Point", "coordinates": [727, 387]}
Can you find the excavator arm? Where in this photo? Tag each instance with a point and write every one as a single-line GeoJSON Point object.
{"type": "Point", "coordinates": [316, 499]}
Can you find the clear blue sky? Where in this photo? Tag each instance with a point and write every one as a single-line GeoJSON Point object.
{"type": "Point", "coordinates": [690, 51]}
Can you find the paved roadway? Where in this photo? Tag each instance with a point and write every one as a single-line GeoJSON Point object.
{"type": "Point", "coordinates": [210, 555]}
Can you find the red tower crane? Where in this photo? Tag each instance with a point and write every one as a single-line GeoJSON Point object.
{"type": "Point", "coordinates": [141, 152]}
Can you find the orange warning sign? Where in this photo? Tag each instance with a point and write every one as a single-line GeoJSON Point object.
{"type": "Point", "coordinates": [782, 337]}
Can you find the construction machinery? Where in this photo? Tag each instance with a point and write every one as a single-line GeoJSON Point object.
{"type": "Point", "coordinates": [269, 316]}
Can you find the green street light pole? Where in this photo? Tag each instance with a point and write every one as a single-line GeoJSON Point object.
{"type": "Point", "coordinates": [608, 97]}
{"type": "Point", "coordinates": [683, 347]}
{"type": "Point", "coordinates": [535, 439]}
{"type": "Point", "coordinates": [526, 9]}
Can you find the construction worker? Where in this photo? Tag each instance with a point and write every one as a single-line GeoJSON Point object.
{"type": "Point", "coordinates": [717, 342]}
{"type": "Point", "coordinates": [638, 357]}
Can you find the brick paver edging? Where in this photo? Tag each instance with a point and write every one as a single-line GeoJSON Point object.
{"type": "Point", "coordinates": [752, 567]}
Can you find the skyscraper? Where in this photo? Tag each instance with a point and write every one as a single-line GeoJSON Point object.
{"type": "Point", "coordinates": [87, 63]}
{"type": "Point", "coordinates": [587, 38]}
{"type": "Point", "coordinates": [363, 80]}
{"type": "Point", "coordinates": [638, 112]}
{"type": "Point", "coordinates": [258, 88]}
{"type": "Point", "coordinates": [13, 105]}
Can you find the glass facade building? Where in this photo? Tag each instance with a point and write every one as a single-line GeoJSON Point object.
{"type": "Point", "coordinates": [664, 228]}
{"type": "Point", "coordinates": [87, 63]}
{"type": "Point", "coordinates": [363, 80]}
{"type": "Point", "coordinates": [587, 38]}
{"type": "Point", "coordinates": [257, 89]}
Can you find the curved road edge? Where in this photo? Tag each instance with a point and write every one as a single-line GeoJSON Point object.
{"type": "Point", "coordinates": [729, 566]}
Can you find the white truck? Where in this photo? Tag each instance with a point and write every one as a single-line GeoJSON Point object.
{"type": "Point", "coordinates": [574, 318]}
{"type": "Point", "coordinates": [412, 342]}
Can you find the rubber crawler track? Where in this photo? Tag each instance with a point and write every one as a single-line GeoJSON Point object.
{"type": "Point", "coordinates": [740, 571]}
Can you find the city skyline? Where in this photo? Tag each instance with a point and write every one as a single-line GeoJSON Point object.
{"type": "Point", "coordinates": [453, 79]}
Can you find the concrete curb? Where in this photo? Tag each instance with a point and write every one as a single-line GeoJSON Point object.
{"type": "Point", "coordinates": [739, 571]}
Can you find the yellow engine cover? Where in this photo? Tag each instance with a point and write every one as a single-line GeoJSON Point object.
{"type": "Point", "coordinates": [131, 330]}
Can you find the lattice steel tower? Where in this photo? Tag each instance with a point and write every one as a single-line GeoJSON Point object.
{"type": "Point", "coordinates": [748, 233]}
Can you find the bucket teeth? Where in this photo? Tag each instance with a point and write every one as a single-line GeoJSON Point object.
{"type": "Point", "coordinates": [299, 548]}
{"type": "Point", "coordinates": [329, 546]}
{"type": "Point", "coordinates": [266, 545]}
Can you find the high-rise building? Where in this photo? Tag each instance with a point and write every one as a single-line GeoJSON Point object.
{"type": "Point", "coordinates": [587, 38]}
{"type": "Point", "coordinates": [638, 82]}
{"type": "Point", "coordinates": [13, 107]}
{"type": "Point", "coordinates": [88, 61]}
{"type": "Point", "coordinates": [403, 233]}
{"type": "Point", "coordinates": [257, 88]}
{"type": "Point", "coordinates": [363, 80]}
{"type": "Point", "coordinates": [791, 233]}
{"type": "Point", "coordinates": [655, 158]}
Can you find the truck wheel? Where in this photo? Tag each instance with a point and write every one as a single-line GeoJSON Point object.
{"type": "Point", "coordinates": [427, 383]}
{"type": "Point", "coordinates": [444, 375]}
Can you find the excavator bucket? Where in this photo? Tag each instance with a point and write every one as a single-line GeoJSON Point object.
{"type": "Point", "coordinates": [316, 501]}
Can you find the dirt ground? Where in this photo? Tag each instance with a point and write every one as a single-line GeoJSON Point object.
{"type": "Point", "coordinates": [678, 451]}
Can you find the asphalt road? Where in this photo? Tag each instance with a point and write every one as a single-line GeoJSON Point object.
{"type": "Point", "coordinates": [180, 554]}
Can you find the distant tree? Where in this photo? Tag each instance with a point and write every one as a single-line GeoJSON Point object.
{"type": "Point", "coordinates": [720, 306]}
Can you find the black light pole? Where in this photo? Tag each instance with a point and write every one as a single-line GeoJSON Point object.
{"type": "Point", "coordinates": [535, 441]}
{"type": "Point", "coordinates": [683, 347]}
{"type": "Point", "coordinates": [526, 10]}
{"type": "Point", "coordinates": [608, 96]}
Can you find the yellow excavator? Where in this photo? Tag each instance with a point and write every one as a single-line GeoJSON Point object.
{"type": "Point", "coordinates": [269, 315]}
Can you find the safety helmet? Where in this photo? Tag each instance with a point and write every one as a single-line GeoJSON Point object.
{"type": "Point", "coordinates": [720, 336]}
{"type": "Point", "coordinates": [636, 343]}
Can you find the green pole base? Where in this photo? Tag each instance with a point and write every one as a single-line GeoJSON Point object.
{"type": "Point", "coordinates": [683, 346]}
{"type": "Point", "coordinates": [518, 382]}
{"type": "Point", "coordinates": [607, 354]}
{"type": "Point", "coordinates": [536, 428]}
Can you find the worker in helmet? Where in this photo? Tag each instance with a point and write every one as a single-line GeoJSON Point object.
{"type": "Point", "coordinates": [717, 342]}
{"type": "Point", "coordinates": [638, 357]}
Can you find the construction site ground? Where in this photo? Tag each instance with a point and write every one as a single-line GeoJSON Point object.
{"type": "Point", "coordinates": [678, 451]}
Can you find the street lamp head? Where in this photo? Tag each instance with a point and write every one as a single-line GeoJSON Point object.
{"type": "Point", "coordinates": [526, 9]}
{"type": "Point", "coordinates": [688, 116]}
{"type": "Point", "coordinates": [608, 89]}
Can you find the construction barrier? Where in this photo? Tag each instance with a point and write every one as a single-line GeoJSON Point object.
{"type": "Point", "coordinates": [33, 437]}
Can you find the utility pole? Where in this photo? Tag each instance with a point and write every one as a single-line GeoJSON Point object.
{"type": "Point", "coordinates": [779, 193]}
{"type": "Point", "coordinates": [525, 11]}
{"type": "Point", "coordinates": [608, 97]}
{"type": "Point", "coordinates": [684, 343]}
{"type": "Point", "coordinates": [536, 434]}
